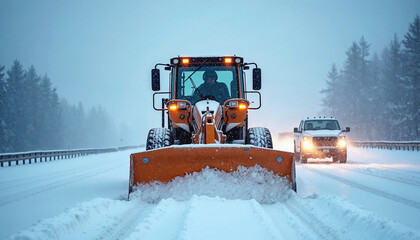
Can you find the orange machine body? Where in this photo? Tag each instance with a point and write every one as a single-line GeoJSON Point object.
{"type": "Point", "coordinates": [210, 131]}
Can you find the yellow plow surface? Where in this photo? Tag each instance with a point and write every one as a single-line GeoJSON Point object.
{"type": "Point", "coordinates": [167, 163]}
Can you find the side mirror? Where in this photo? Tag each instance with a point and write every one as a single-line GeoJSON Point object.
{"type": "Point", "coordinates": [347, 129]}
{"type": "Point", "coordinates": [295, 130]}
{"type": "Point", "coordinates": [256, 78]}
{"type": "Point", "coordinates": [155, 79]}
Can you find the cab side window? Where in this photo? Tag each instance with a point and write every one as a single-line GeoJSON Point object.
{"type": "Point", "coordinates": [301, 126]}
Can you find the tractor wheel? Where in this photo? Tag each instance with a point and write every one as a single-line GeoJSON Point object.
{"type": "Point", "coordinates": [181, 136]}
{"type": "Point", "coordinates": [159, 137]}
{"type": "Point", "coordinates": [259, 137]}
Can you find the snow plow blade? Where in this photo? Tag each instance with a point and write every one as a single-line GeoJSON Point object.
{"type": "Point", "coordinates": [165, 164]}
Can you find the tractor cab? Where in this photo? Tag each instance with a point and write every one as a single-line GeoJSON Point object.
{"type": "Point", "coordinates": [188, 78]}
{"type": "Point", "coordinates": [218, 78]}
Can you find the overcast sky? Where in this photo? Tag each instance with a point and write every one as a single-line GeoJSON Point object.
{"type": "Point", "coordinates": [101, 52]}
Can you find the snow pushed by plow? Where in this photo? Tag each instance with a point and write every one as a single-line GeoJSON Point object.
{"type": "Point", "coordinates": [246, 183]}
{"type": "Point", "coordinates": [250, 203]}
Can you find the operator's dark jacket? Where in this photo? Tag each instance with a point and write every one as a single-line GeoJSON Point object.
{"type": "Point", "coordinates": [218, 90]}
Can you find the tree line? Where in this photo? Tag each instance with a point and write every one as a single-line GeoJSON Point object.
{"type": "Point", "coordinates": [378, 95]}
{"type": "Point", "coordinates": [33, 117]}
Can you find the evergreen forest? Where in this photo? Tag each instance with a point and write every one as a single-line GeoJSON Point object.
{"type": "Point", "coordinates": [34, 117]}
{"type": "Point", "coordinates": [378, 95]}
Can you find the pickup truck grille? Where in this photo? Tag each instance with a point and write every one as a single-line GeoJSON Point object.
{"type": "Point", "coordinates": [324, 141]}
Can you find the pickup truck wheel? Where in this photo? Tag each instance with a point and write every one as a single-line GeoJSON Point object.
{"type": "Point", "coordinates": [159, 137]}
{"type": "Point", "coordinates": [303, 159]}
{"type": "Point", "coordinates": [260, 137]}
{"type": "Point", "coordinates": [343, 158]}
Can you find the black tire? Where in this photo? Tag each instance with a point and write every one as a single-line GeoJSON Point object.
{"type": "Point", "coordinates": [260, 137]}
{"type": "Point", "coordinates": [236, 133]}
{"type": "Point", "coordinates": [343, 158]}
{"type": "Point", "coordinates": [302, 157]}
{"type": "Point", "coordinates": [181, 136]}
{"type": "Point", "coordinates": [158, 138]}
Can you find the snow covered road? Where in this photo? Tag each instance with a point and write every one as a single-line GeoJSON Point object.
{"type": "Point", "coordinates": [375, 196]}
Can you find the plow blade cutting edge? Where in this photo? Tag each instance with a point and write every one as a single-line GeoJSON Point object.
{"type": "Point", "coordinates": [165, 164]}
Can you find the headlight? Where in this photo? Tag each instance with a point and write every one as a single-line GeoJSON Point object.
{"type": "Point", "coordinates": [178, 105]}
{"type": "Point", "coordinates": [307, 143]}
{"type": "Point", "coordinates": [342, 143]}
{"type": "Point", "coordinates": [238, 104]}
{"type": "Point", "coordinates": [233, 104]}
{"type": "Point", "coordinates": [182, 105]}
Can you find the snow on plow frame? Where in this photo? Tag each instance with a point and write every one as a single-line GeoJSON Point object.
{"type": "Point", "coordinates": [165, 164]}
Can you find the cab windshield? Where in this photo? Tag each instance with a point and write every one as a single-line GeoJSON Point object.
{"type": "Point", "coordinates": [191, 86]}
{"type": "Point", "coordinates": [322, 125]}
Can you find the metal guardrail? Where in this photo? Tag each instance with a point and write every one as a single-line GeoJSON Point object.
{"type": "Point", "coordinates": [391, 145]}
{"type": "Point", "coordinates": [29, 157]}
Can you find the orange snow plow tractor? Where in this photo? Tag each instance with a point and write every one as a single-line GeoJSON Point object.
{"type": "Point", "coordinates": [205, 123]}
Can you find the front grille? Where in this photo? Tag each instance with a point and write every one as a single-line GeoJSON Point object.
{"type": "Point", "coordinates": [324, 141]}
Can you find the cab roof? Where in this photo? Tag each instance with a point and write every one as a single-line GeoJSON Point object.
{"type": "Point", "coordinates": [212, 60]}
{"type": "Point", "coordinates": [319, 118]}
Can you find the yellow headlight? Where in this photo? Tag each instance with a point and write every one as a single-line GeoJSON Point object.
{"type": "Point", "coordinates": [307, 143]}
{"type": "Point", "coordinates": [342, 142]}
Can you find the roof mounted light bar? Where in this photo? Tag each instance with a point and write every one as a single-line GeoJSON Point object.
{"type": "Point", "coordinates": [199, 60]}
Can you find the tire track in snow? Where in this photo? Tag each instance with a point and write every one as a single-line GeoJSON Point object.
{"type": "Point", "coordinates": [377, 192]}
{"type": "Point", "coordinates": [313, 223]}
{"type": "Point", "coordinates": [155, 226]}
{"type": "Point", "coordinates": [266, 220]}
{"type": "Point", "coordinates": [40, 178]}
{"type": "Point", "coordinates": [125, 222]}
{"type": "Point", "coordinates": [402, 171]}
{"type": "Point", "coordinates": [56, 184]}
{"type": "Point", "coordinates": [413, 182]}
{"type": "Point", "coordinates": [219, 218]}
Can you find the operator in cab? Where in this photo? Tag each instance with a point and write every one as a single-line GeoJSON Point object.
{"type": "Point", "coordinates": [211, 89]}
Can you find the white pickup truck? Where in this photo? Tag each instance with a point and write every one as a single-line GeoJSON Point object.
{"type": "Point", "coordinates": [320, 138]}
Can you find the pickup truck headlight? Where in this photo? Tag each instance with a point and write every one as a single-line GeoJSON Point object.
{"type": "Point", "coordinates": [342, 143]}
{"type": "Point", "coordinates": [307, 143]}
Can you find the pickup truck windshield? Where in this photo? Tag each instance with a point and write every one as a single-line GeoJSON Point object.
{"type": "Point", "coordinates": [223, 88]}
{"type": "Point", "coordinates": [321, 125]}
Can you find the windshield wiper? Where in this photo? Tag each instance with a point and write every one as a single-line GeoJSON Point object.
{"type": "Point", "coordinates": [189, 77]}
